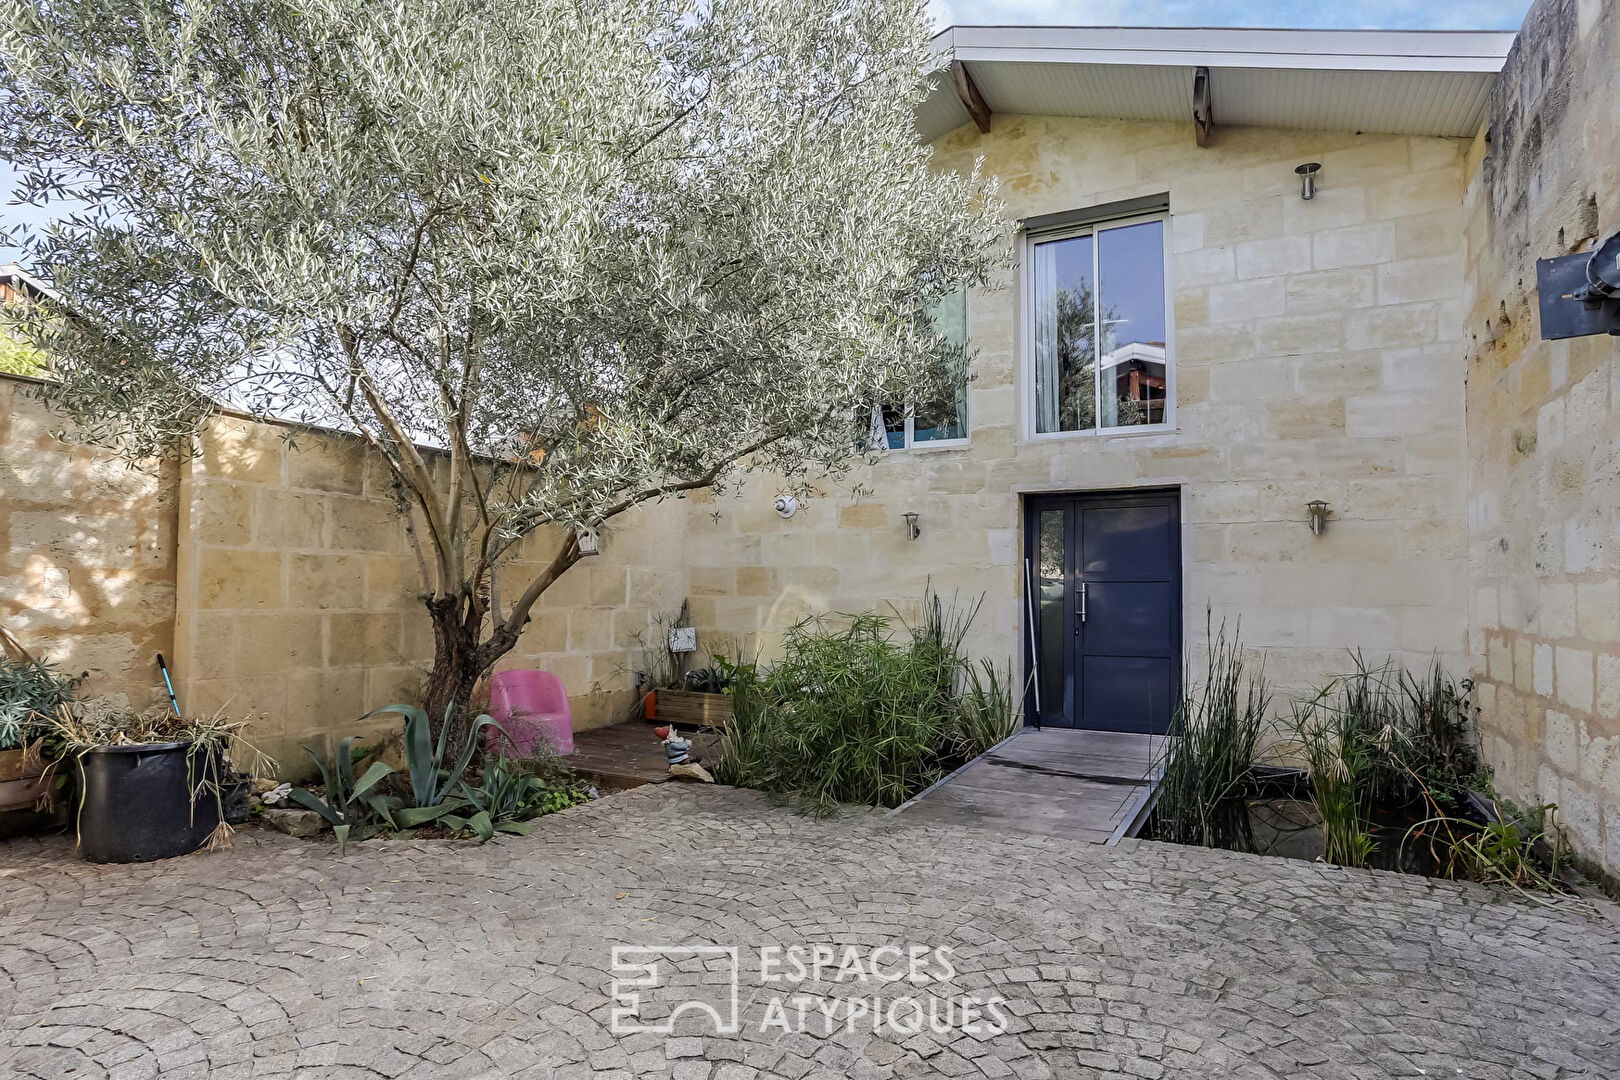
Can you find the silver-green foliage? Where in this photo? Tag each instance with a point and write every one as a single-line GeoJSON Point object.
{"type": "Point", "coordinates": [630, 246]}
{"type": "Point", "coordinates": [31, 691]}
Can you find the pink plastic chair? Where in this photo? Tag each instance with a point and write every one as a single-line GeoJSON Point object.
{"type": "Point", "coordinates": [532, 706]}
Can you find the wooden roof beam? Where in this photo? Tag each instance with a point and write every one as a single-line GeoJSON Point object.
{"type": "Point", "coordinates": [968, 91]}
{"type": "Point", "coordinates": [1203, 107]}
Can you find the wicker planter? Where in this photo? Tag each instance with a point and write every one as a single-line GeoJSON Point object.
{"type": "Point", "coordinates": [689, 708]}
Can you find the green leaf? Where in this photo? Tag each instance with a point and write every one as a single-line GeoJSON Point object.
{"type": "Point", "coordinates": [308, 801]}
{"type": "Point", "coordinates": [378, 770]}
{"type": "Point", "coordinates": [342, 834]}
{"type": "Point", "coordinates": [519, 828]}
{"type": "Point", "coordinates": [480, 824]}
{"type": "Point", "coordinates": [467, 751]}
{"type": "Point", "coordinates": [345, 768]}
{"type": "Point", "coordinates": [320, 763]}
{"type": "Point", "coordinates": [409, 817]}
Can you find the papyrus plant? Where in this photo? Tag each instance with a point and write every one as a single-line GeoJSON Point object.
{"type": "Point", "coordinates": [599, 253]}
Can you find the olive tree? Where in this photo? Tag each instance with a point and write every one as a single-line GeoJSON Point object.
{"type": "Point", "coordinates": [597, 253]}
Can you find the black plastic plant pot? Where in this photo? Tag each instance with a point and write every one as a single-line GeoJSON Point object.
{"type": "Point", "coordinates": [147, 801]}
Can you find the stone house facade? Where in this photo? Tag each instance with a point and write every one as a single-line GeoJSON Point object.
{"type": "Point", "coordinates": [1376, 347]}
{"type": "Point", "coordinates": [1313, 353]}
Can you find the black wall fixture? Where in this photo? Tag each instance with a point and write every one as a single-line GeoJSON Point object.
{"type": "Point", "coordinates": [1580, 293]}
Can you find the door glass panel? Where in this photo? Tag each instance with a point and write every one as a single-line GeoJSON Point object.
{"type": "Point", "coordinates": [1049, 609]}
{"type": "Point", "coordinates": [1130, 260]}
{"type": "Point", "coordinates": [1065, 336]}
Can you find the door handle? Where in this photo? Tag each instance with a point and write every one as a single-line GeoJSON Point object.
{"type": "Point", "coordinates": [1082, 606]}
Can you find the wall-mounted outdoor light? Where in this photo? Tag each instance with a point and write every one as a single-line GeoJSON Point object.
{"type": "Point", "coordinates": [1307, 179]}
{"type": "Point", "coordinates": [590, 543]}
{"type": "Point", "coordinates": [1319, 514]}
{"type": "Point", "coordinates": [786, 506]}
{"type": "Point", "coordinates": [912, 530]}
{"type": "Point", "coordinates": [1580, 294]}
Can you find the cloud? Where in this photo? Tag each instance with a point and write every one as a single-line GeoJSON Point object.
{"type": "Point", "coordinates": [1368, 14]}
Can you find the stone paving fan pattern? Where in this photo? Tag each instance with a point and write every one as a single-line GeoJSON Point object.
{"type": "Point", "coordinates": [418, 959]}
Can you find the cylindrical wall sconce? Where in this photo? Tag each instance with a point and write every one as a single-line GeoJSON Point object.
{"type": "Point", "coordinates": [1307, 179]}
{"type": "Point", "coordinates": [912, 530]}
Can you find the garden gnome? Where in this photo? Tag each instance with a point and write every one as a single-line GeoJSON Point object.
{"type": "Point", "coordinates": [677, 749]}
{"type": "Point", "coordinates": [679, 753]}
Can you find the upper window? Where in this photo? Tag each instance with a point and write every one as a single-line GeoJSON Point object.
{"type": "Point", "coordinates": [936, 416]}
{"type": "Point", "coordinates": [1099, 343]}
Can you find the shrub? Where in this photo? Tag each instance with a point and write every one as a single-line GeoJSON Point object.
{"type": "Point", "coordinates": [864, 709]}
{"type": "Point", "coordinates": [31, 691]}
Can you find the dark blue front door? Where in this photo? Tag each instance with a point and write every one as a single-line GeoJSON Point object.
{"type": "Point", "coordinates": [1104, 576]}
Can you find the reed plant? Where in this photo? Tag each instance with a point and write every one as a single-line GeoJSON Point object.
{"type": "Point", "coordinates": [990, 707]}
{"type": "Point", "coordinates": [1216, 731]}
{"type": "Point", "coordinates": [1337, 746]}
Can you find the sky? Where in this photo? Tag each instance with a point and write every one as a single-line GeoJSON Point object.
{"type": "Point", "coordinates": [1378, 14]}
{"type": "Point", "coordinates": [11, 216]}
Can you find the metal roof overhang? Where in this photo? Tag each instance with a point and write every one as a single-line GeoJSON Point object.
{"type": "Point", "coordinates": [1390, 81]}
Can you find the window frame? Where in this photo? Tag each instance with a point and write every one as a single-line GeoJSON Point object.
{"type": "Point", "coordinates": [1027, 241]}
{"type": "Point", "coordinates": [909, 443]}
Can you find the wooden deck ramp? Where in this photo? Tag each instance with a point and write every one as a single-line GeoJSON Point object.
{"type": "Point", "coordinates": [1083, 785]}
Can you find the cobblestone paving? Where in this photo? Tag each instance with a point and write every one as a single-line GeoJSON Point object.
{"type": "Point", "coordinates": [425, 959]}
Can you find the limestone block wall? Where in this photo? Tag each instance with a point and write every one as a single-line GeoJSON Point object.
{"type": "Point", "coordinates": [298, 593]}
{"type": "Point", "coordinates": [1544, 429]}
{"type": "Point", "coordinates": [1318, 356]}
{"type": "Point", "coordinates": [87, 551]}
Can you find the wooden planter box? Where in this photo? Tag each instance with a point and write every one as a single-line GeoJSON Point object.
{"type": "Point", "coordinates": [29, 798]}
{"type": "Point", "coordinates": [20, 786]}
{"type": "Point", "coordinates": [689, 708]}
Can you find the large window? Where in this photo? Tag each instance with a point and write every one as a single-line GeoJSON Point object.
{"type": "Point", "coordinates": [1098, 341]}
{"type": "Point", "coordinates": [937, 416]}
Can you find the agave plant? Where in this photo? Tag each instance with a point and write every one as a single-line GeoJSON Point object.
{"type": "Point", "coordinates": [352, 806]}
{"type": "Point", "coordinates": [431, 782]}
{"type": "Point", "coordinates": [505, 799]}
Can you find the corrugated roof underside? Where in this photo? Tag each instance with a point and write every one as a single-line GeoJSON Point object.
{"type": "Point", "coordinates": [1393, 102]}
{"type": "Point", "coordinates": [1110, 91]}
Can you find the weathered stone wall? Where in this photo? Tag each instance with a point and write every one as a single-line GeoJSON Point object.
{"type": "Point", "coordinates": [87, 543]}
{"type": "Point", "coordinates": [1318, 357]}
{"type": "Point", "coordinates": [299, 591]}
{"type": "Point", "coordinates": [1544, 428]}
{"type": "Point", "coordinates": [276, 578]}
